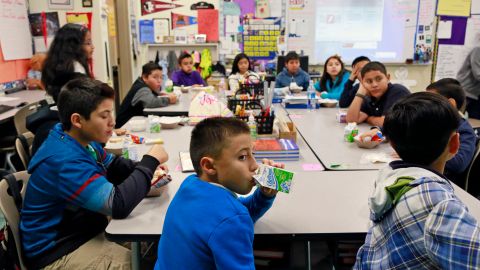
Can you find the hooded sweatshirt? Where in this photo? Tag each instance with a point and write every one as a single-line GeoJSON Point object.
{"type": "Point", "coordinates": [418, 223]}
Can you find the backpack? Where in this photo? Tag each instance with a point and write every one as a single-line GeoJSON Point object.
{"type": "Point", "coordinates": [8, 250]}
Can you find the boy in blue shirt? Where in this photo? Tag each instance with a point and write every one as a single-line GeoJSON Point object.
{"type": "Point", "coordinates": [74, 185]}
{"type": "Point", "coordinates": [207, 226]}
{"type": "Point", "coordinates": [292, 72]}
{"type": "Point", "coordinates": [418, 221]}
{"type": "Point", "coordinates": [455, 167]}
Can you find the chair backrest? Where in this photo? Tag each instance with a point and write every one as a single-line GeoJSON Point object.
{"type": "Point", "coordinates": [23, 145]}
{"type": "Point", "coordinates": [281, 63]}
{"type": "Point", "coordinates": [472, 183]}
{"type": "Point", "coordinates": [10, 211]}
{"type": "Point", "coordinates": [21, 116]}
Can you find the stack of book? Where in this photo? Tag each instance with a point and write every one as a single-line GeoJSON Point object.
{"type": "Point", "coordinates": [276, 149]}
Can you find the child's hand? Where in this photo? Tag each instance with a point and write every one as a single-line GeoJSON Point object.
{"type": "Point", "coordinates": [172, 98]}
{"type": "Point", "coordinates": [164, 167]}
{"type": "Point", "coordinates": [158, 152]}
{"type": "Point", "coordinates": [268, 192]}
{"type": "Point", "coordinates": [270, 162]}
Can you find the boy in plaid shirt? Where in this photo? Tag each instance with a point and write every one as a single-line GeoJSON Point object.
{"type": "Point", "coordinates": [418, 222]}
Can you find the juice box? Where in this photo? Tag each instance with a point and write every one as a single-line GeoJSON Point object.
{"type": "Point", "coordinates": [274, 178]}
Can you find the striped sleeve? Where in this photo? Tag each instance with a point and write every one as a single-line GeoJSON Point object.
{"type": "Point", "coordinates": [452, 236]}
{"type": "Point", "coordinates": [83, 185]}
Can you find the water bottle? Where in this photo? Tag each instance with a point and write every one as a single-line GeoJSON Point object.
{"type": "Point", "coordinates": [311, 98]}
{"type": "Point", "coordinates": [221, 91]}
{"type": "Point", "coordinates": [252, 125]}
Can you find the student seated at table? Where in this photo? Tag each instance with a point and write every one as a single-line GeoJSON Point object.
{"type": "Point", "coordinates": [455, 167]}
{"type": "Point", "coordinates": [375, 95]}
{"type": "Point", "coordinates": [418, 221]}
{"type": "Point", "coordinates": [333, 79]}
{"type": "Point", "coordinates": [144, 93]}
{"type": "Point", "coordinates": [241, 72]}
{"type": "Point", "coordinates": [68, 57]}
{"type": "Point", "coordinates": [74, 185]}
{"type": "Point", "coordinates": [221, 153]}
{"type": "Point", "coordinates": [349, 90]}
{"type": "Point", "coordinates": [292, 72]}
{"type": "Point", "coordinates": [187, 76]}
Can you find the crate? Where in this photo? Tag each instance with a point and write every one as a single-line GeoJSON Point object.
{"type": "Point", "coordinates": [249, 104]}
{"type": "Point", "coordinates": [264, 123]}
{"type": "Point", "coordinates": [251, 88]}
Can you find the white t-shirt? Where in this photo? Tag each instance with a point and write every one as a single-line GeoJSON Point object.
{"type": "Point", "coordinates": [77, 67]}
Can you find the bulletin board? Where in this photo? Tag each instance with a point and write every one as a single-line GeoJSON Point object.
{"type": "Point", "coordinates": [450, 57]}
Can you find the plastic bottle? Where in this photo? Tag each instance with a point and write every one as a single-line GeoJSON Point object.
{"type": "Point", "coordinates": [125, 154]}
{"type": "Point", "coordinates": [252, 125]}
{"type": "Point", "coordinates": [221, 91]}
{"type": "Point", "coordinates": [311, 100]}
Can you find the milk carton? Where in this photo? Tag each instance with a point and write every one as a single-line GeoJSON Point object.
{"type": "Point", "coordinates": [274, 178]}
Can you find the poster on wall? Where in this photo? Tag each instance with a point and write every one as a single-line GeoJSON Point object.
{"type": "Point", "coordinates": [82, 18]}
{"type": "Point", "coordinates": [299, 36]}
{"type": "Point", "coordinates": [180, 20]}
{"type": "Point", "coordinates": [161, 29]}
{"type": "Point", "coordinates": [260, 38]}
{"type": "Point", "coordinates": [45, 23]}
{"type": "Point", "coordinates": [154, 6]}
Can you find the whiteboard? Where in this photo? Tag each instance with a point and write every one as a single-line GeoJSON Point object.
{"type": "Point", "coordinates": [384, 30]}
{"type": "Point", "coordinates": [15, 37]}
{"type": "Point", "coordinates": [451, 57]}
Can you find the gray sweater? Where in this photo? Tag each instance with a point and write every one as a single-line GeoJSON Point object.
{"type": "Point", "coordinates": [469, 74]}
{"type": "Point", "coordinates": [148, 99]}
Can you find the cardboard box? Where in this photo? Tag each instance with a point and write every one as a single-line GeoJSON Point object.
{"type": "Point", "coordinates": [292, 134]}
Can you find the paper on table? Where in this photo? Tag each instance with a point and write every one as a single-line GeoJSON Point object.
{"type": "Point", "coordinates": [444, 29]}
{"type": "Point", "coordinates": [313, 167]}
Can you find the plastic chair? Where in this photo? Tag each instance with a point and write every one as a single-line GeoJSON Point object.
{"type": "Point", "coordinates": [10, 211]}
{"type": "Point", "coordinates": [21, 116]}
{"type": "Point", "coordinates": [23, 145]}
{"type": "Point", "coordinates": [472, 183]}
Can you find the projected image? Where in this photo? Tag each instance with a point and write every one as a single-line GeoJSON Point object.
{"type": "Point", "coordinates": [348, 20]}
{"type": "Point", "coordinates": [351, 28]}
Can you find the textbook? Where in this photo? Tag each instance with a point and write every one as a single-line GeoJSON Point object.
{"type": "Point", "coordinates": [276, 149]}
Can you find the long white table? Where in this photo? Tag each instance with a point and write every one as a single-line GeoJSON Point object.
{"type": "Point", "coordinates": [29, 96]}
{"type": "Point", "coordinates": [178, 109]}
{"type": "Point", "coordinates": [325, 136]}
{"type": "Point", "coordinates": [178, 140]}
{"type": "Point", "coordinates": [322, 204]}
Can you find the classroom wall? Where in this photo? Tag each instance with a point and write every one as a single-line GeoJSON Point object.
{"type": "Point", "coordinates": [99, 31]}
{"type": "Point", "coordinates": [144, 56]}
